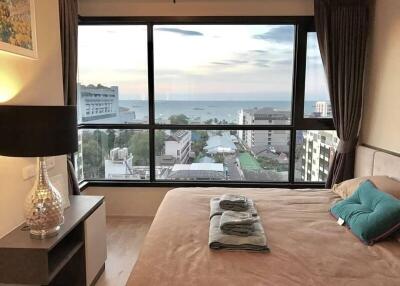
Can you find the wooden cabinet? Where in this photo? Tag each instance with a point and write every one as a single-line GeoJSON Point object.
{"type": "Point", "coordinates": [95, 244]}
{"type": "Point", "coordinates": [61, 260]}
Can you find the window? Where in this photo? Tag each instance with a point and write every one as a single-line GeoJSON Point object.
{"type": "Point", "coordinates": [201, 100]}
{"type": "Point", "coordinates": [318, 161]}
{"type": "Point", "coordinates": [202, 75]}
{"type": "Point", "coordinates": [114, 154]}
{"type": "Point", "coordinates": [317, 103]}
{"type": "Point", "coordinates": [222, 155]}
{"type": "Point", "coordinates": [112, 74]}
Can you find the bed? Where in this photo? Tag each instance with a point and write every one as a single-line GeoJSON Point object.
{"type": "Point", "coordinates": [307, 246]}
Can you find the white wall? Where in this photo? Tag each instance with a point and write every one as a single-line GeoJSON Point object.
{"type": "Point", "coordinates": [130, 201]}
{"type": "Point", "coordinates": [30, 82]}
{"type": "Point", "coordinates": [382, 105]}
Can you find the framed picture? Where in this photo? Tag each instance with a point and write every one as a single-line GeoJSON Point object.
{"type": "Point", "coordinates": [18, 27]}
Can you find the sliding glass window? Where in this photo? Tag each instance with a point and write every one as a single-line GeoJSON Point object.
{"type": "Point", "coordinates": [217, 100]}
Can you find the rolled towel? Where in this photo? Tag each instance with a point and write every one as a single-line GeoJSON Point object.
{"type": "Point", "coordinates": [233, 202]}
{"type": "Point", "coordinates": [215, 208]}
{"type": "Point", "coordinates": [218, 240]}
{"type": "Point", "coordinates": [237, 223]}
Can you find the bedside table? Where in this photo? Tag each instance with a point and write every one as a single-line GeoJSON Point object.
{"type": "Point", "coordinates": [76, 256]}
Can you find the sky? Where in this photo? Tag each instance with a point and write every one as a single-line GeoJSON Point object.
{"type": "Point", "coordinates": [198, 62]}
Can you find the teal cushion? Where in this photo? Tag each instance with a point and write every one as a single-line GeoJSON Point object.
{"type": "Point", "coordinates": [369, 213]}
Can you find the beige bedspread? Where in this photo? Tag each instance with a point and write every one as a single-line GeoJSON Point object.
{"type": "Point", "coordinates": [307, 246]}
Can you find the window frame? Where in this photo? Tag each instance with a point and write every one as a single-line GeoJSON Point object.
{"type": "Point", "coordinates": [302, 24]}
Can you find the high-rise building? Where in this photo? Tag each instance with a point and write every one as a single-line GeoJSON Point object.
{"type": "Point", "coordinates": [257, 140]}
{"type": "Point", "coordinates": [318, 148]}
{"type": "Point", "coordinates": [323, 109]}
{"type": "Point", "coordinates": [97, 103]}
{"type": "Point", "coordinates": [178, 145]}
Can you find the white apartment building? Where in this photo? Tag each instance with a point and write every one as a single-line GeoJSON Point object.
{"type": "Point", "coordinates": [318, 147]}
{"type": "Point", "coordinates": [97, 103]}
{"type": "Point", "coordinates": [323, 109]}
{"type": "Point", "coordinates": [259, 140]}
{"type": "Point", "coordinates": [178, 145]}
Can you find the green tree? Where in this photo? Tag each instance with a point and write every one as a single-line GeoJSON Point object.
{"type": "Point", "coordinates": [123, 138]}
{"type": "Point", "coordinates": [219, 158]}
{"type": "Point", "coordinates": [159, 141]}
{"type": "Point", "coordinates": [93, 155]}
{"type": "Point", "coordinates": [139, 146]}
{"type": "Point", "coordinates": [200, 142]}
{"type": "Point", "coordinates": [111, 138]}
{"type": "Point", "coordinates": [179, 119]}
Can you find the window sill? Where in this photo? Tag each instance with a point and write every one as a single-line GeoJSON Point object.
{"type": "Point", "coordinates": [175, 184]}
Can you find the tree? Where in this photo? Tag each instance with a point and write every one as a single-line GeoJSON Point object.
{"type": "Point", "coordinates": [138, 145]}
{"type": "Point", "coordinates": [179, 119]}
{"type": "Point", "coordinates": [93, 155]}
{"type": "Point", "coordinates": [159, 142]}
{"type": "Point", "coordinates": [123, 138]}
{"type": "Point", "coordinates": [200, 142]}
{"type": "Point", "coordinates": [111, 138]}
{"type": "Point", "coordinates": [208, 121]}
{"type": "Point", "coordinates": [219, 158]}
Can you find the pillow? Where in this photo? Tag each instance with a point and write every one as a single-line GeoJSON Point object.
{"type": "Point", "coordinates": [369, 213]}
{"type": "Point", "coordinates": [383, 183]}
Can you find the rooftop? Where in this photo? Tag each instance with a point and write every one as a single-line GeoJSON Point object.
{"type": "Point", "coordinates": [220, 144]}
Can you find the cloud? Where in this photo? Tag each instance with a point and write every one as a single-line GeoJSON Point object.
{"type": "Point", "coordinates": [233, 62]}
{"type": "Point", "coordinates": [285, 62]}
{"type": "Point", "coordinates": [221, 63]}
{"type": "Point", "coordinates": [181, 31]}
{"type": "Point", "coordinates": [262, 63]}
{"type": "Point", "coordinates": [282, 34]}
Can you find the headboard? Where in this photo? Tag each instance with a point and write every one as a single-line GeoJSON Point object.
{"type": "Point", "coordinates": [371, 162]}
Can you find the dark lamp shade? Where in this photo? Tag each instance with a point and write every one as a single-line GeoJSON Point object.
{"type": "Point", "coordinates": [37, 131]}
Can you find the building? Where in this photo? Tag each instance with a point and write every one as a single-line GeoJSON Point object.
{"type": "Point", "coordinates": [323, 109]}
{"type": "Point", "coordinates": [119, 165]}
{"type": "Point", "coordinates": [220, 144]}
{"type": "Point", "coordinates": [97, 103]}
{"type": "Point", "coordinates": [318, 147]}
{"type": "Point", "coordinates": [178, 145]}
{"type": "Point", "coordinates": [198, 171]}
{"type": "Point", "coordinates": [259, 140]}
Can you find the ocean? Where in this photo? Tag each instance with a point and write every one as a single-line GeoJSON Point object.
{"type": "Point", "coordinates": [204, 110]}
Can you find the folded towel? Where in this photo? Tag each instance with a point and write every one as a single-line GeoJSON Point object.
{"type": "Point", "coordinates": [233, 202]}
{"type": "Point", "coordinates": [237, 223]}
{"type": "Point", "coordinates": [218, 240]}
{"type": "Point", "coordinates": [215, 208]}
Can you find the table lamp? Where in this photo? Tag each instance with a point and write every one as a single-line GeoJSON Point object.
{"type": "Point", "coordinates": [39, 131]}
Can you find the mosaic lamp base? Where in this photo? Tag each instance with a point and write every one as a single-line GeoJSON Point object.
{"type": "Point", "coordinates": [44, 211]}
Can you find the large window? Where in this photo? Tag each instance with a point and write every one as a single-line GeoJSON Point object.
{"type": "Point", "coordinates": [202, 100]}
{"type": "Point", "coordinates": [210, 73]}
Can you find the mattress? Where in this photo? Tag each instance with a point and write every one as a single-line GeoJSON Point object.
{"type": "Point", "coordinates": [307, 246]}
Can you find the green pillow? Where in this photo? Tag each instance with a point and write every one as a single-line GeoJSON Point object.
{"type": "Point", "coordinates": [369, 213]}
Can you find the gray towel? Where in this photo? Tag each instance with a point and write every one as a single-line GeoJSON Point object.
{"type": "Point", "coordinates": [233, 202]}
{"type": "Point", "coordinates": [218, 240]}
{"type": "Point", "coordinates": [238, 223]}
{"type": "Point", "coordinates": [215, 208]}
